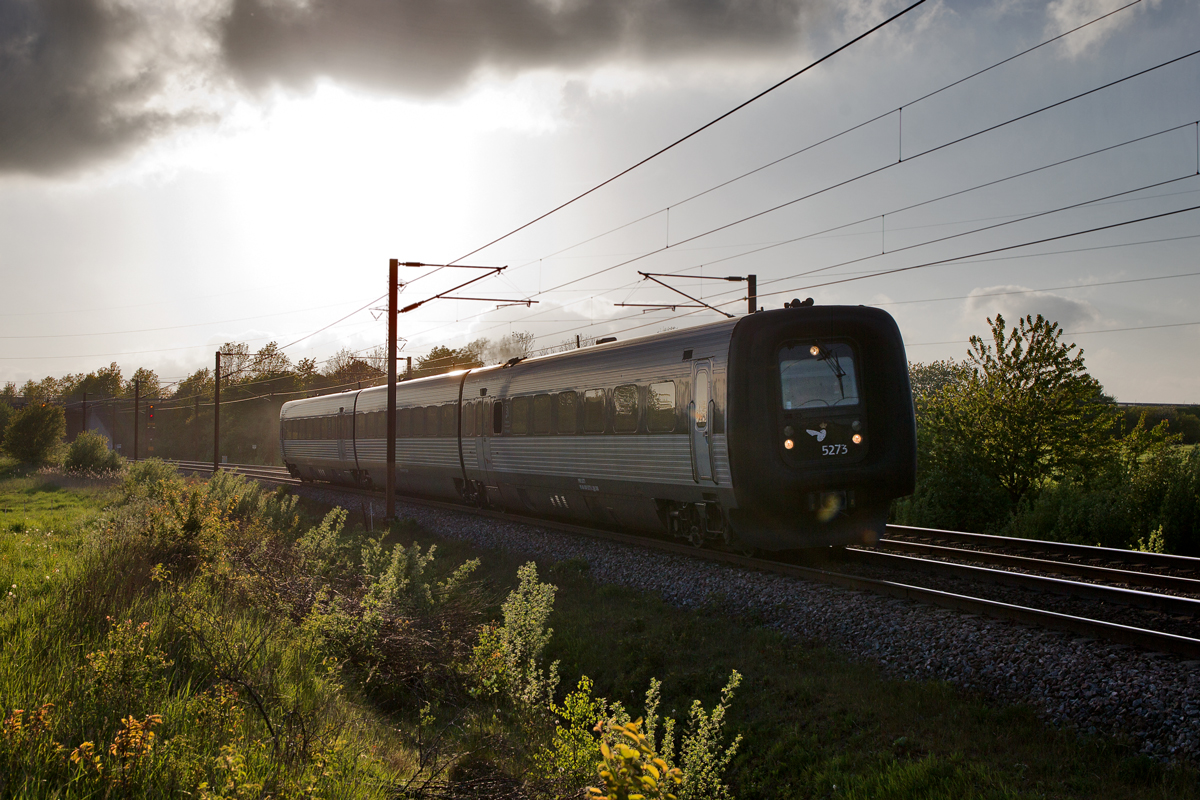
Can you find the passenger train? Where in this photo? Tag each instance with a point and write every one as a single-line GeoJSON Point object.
{"type": "Point", "coordinates": [783, 429]}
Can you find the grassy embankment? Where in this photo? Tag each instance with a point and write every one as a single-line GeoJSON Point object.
{"type": "Point", "coordinates": [259, 660]}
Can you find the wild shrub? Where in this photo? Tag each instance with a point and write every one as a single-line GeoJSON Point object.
{"type": "Point", "coordinates": [1154, 544]}
{"type": "Point", "coordinates": [89, 454]}
{"type": "Point", "coordinates": [149, 478]}
{"type": "Point", "coordinates": [122, 676]}
{"type": "Point", "coordinates": [702, 756]}
{"type": "Point", "coordinates": [569, 759]}
{"type": "Point", "coordinates": [384, 613]}
{"type": "Point", "coordinates": [528, 685]}
{"type": "Point", "coordinates": [697, 766]}
{"type": "Point", "coordinates": [34, 433]}
{"type": "Point", "coordinates": [629, 767]}
{"type": "Point", "coordinates": [27, 743]}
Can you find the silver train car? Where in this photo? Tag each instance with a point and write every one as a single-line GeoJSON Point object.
{"type": "Point", "coordinates": [779, 430]}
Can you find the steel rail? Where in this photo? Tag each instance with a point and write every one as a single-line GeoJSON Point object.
{"type": "Point", "coordinates": [1109, 574]}
{"type": "Point", "coordinates": [1164, 603]}
{"type": "Point", "coordinates": [1163, 560]}
{"type": "Point", "coordinates": [1123, 634]}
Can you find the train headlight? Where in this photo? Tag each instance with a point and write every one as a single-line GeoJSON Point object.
{"type": "Point", "coordinates": [856, 438]}
{"type": "Point", "coordinates": [788, 444]}
{"type": "Point", "coordinates": [814, 351]}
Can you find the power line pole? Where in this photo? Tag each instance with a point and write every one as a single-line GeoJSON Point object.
{"type": "Point", "coordinates": [137, 398]}
{"type": "Point", "coordinates": [393, 290]}
{"type": "Point", "coordinates": [394, 265]}
{"type": "Point", "coordinates": [217, 416]}
{"type": "Point", "coordinates": [84, 413]}
{"type": "Point", "coordinates": [751, 293]}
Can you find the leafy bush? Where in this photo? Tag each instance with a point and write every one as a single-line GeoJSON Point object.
{"type": "Point", "coordinates": [630, 768]}
{"type": "Point", "coordinates": [6, 414]}
{"type": "Point", "coordinates": [634, 763]}
{"type": "Point", "coordinates": [89, 453]}
{"type": "Point", "coordinates": [34, 433]}
{"type": "Point", "coordinates": [150, 478]}
{"type": "Point", "coordinates": [524, 635]}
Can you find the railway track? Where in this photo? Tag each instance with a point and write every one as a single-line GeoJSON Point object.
{"type": "Point", "coordinates": [1145, 600]}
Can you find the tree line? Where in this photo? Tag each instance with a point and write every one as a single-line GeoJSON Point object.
{"type": "Point", "coordinates": [254, 385]}
{"type": "Point", "coordinates": [1019, 439]}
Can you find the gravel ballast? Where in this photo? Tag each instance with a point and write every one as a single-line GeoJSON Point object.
{"type": "Point", "coordinates": [1092, 686]}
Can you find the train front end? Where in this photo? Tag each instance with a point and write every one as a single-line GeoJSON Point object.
{"type": "Point", "coordinates": [820, 426]}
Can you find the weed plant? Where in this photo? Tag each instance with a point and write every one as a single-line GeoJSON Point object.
{"type": "Point", "coordinates": [217, 639]}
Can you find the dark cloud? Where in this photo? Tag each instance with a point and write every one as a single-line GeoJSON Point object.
{"type": "Point", "coordinates": [430, 46]}
{"type": "Point", "coordinates": [86, 80]}
{"type": "Point", "coordinates": [82, 80]}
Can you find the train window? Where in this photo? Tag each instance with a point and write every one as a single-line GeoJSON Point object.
{"type": "Point", "coordinates": [625, 408]}
{"type": "Point", "coordinates": [418, 421]}
{"type": "Point", "coordinates": [660, 407]}
{"type": "Point", "coordinates": [404, 422]}
{"type": "Point", "coordinates": [468, 423]}
{"type": "Point", "coordinates": [593, 411]}
{"type": "Point", "coordinates": [700, 399]}
{"type": "Point", "coordinates": [541, 413]}
{"type": "Point", "coordinates": [481, 409]}
{"type": "Point", "coordinates": [817, 375]}
{"type": "Point", "coordinates": [448, 425]}
{"type": "Point", "coordinates": [520, 415]}
{"type": "Point", "coordinates": [431, 420]}
{"type": "Point", "coordinates": [566, 412]}
{"type": "Point", "coordinates": [498, 417]}
{"type": "Point", "coordinates": [345, 426]}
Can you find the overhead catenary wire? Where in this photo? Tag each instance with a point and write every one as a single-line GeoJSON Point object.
{"type": "Point", "coordinates": [338, 321]}
{"type": "Point", "coordinates": [680, 141]}
{"type": "Point", "coordinates": [861, 176]}
{"type": "Point", "coordinates": [699, 130]}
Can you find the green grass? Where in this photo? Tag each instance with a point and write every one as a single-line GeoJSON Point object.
{"type": "Point", "coordinates": [41, 522]}
{"type": "Point", "coordinates": [814, 723]}
{"type": "Point", "coordinates": [811, 718]}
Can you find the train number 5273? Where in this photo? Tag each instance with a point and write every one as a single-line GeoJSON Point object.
{"type": "Point", "coordinates": [834, 450]}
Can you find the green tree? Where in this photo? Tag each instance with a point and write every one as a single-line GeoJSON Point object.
{"type": "Point", "coordinates": [271, 362]}
{"type": "Point", "coordinates": [147, 381]}
{"type": "Point", "coordinates": [345, 366]}
{"type": "Point", "coordinates": [6, 414]}
{"type": "Point", "coordinates": [1029, 412]}
{"type": "Point", "coordinates": [34, 432]}
{"type": "Point", "coordinates": [199, 383]}
{"type": "Point", "coordinates": [445, 359]}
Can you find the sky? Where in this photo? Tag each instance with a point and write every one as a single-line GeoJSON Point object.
{"type": "Point", "coordinates": [176, 174]}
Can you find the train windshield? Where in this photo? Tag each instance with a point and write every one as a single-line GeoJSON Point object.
{"type": "Point", "coordinates": [818, 374]}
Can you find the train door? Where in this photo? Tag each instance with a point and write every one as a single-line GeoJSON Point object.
{"type": "Point", "coordinates": [699, 420]}
{"type": "Point", "coordinates": [492, 425]}
{"type": "Point", "coordinates": [345, 435]}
